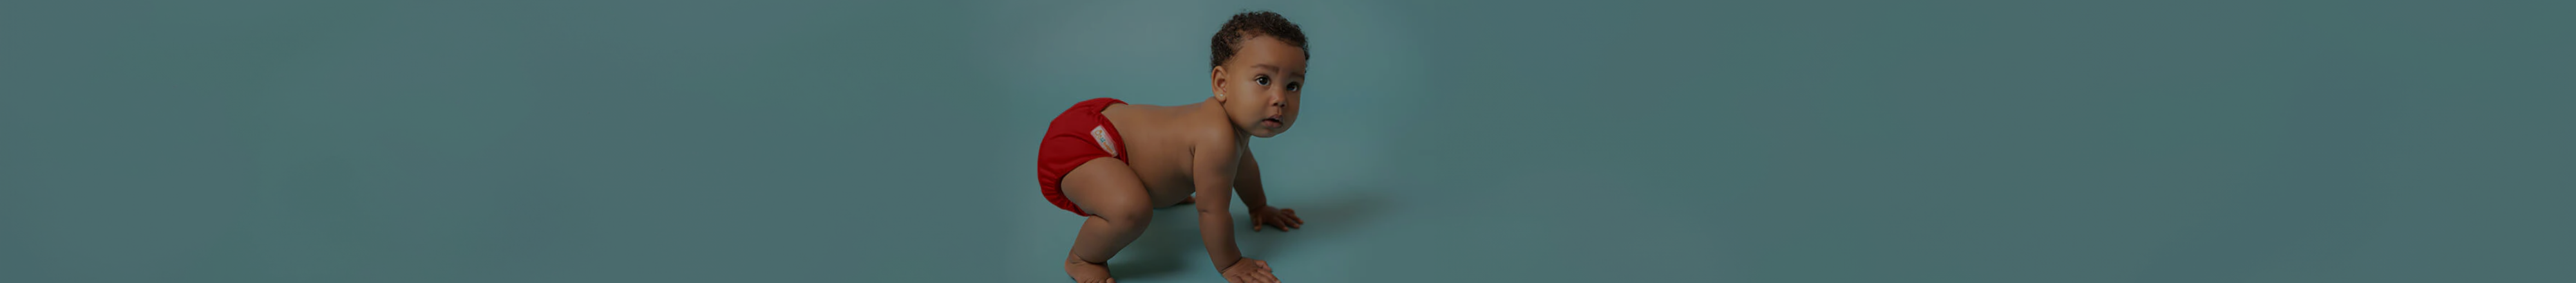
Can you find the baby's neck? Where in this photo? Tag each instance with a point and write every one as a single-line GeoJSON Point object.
{"type": "Point", "coordinates": [1209, 106]}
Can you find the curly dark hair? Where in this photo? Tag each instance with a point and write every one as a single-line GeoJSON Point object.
{"type": "Point", "coordinates": [1250, 24]}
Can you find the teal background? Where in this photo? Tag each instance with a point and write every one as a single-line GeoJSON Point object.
{"type": "Point", "coordinates": [1442, 141]}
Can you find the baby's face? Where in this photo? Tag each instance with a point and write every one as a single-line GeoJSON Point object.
{"type": "Point", "coordinates": [1260, 86]}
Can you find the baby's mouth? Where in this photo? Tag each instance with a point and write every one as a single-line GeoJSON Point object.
{"type": "Point", "coordinates": [1272, 122]}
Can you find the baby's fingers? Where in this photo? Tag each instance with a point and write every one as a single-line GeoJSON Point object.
{"type": "Point", "coordinates": [1253, 277]}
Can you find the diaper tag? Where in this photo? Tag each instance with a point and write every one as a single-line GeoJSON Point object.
{"type": "Point", "coordinates": [1101, 134]}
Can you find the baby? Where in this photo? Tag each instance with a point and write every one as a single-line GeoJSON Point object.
{"type": "Point", "coordinates": [1112, 162]}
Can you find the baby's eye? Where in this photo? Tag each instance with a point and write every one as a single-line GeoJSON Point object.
{"type": "Point", "coordinates": [1263, 80]}
{"type": "Point", "coordinates": [1295, 85]}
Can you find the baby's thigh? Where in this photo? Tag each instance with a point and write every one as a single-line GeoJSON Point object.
{"type": "Point", "coordinates": [1107, 187]}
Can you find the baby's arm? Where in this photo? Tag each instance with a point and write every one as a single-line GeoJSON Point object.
{"type": "Point", "coordinates": [1213, 167]}
{"type": "Point", "coordinates": [1213, 163]}
{"type": "Point", "coordinates": [1247, 181]}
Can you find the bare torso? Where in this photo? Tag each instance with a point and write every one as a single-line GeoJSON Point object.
{"type": "Point", "coordinates": [1159, 142]}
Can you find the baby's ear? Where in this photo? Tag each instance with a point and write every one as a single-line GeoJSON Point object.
{"type": "Point", "coordinates": [1216, 82]}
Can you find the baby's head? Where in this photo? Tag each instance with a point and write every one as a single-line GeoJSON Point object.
{"type": "Point", "coordinates": [1257, 64]}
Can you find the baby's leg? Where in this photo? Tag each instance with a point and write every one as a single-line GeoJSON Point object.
{"type": "Point", "coordinates": [1119, 209]}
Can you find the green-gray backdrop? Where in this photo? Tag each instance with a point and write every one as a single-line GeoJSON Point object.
{"type": "Point", "coordinates": [1443, 141]}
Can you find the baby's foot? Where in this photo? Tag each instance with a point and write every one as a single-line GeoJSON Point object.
{"type": "Point", "coordinates": [1185, 200]}
{"type": "Point", "coordinates": [1085, 272]}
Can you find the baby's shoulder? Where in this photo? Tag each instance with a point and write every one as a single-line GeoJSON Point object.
{"type": "Point", "coordinates": [1207, 131]}
{"type": "Point", "coordinates": [1212, 131]}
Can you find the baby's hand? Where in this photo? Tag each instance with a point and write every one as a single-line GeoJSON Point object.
{"type": "Point", "coordinates": [1248, 270]}
{"type": "Point", "coordinates": [1282, 218]}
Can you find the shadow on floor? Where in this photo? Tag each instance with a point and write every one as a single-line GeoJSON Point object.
{"type": "Point", "coordinates": [1171, 244]}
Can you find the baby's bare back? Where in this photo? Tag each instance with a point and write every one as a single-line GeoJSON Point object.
{"type": "Point", "coordinates": [1159, 139]}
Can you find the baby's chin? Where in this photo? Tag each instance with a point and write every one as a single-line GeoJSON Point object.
{"type": "Point", "coordinates": [1259, 132]}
